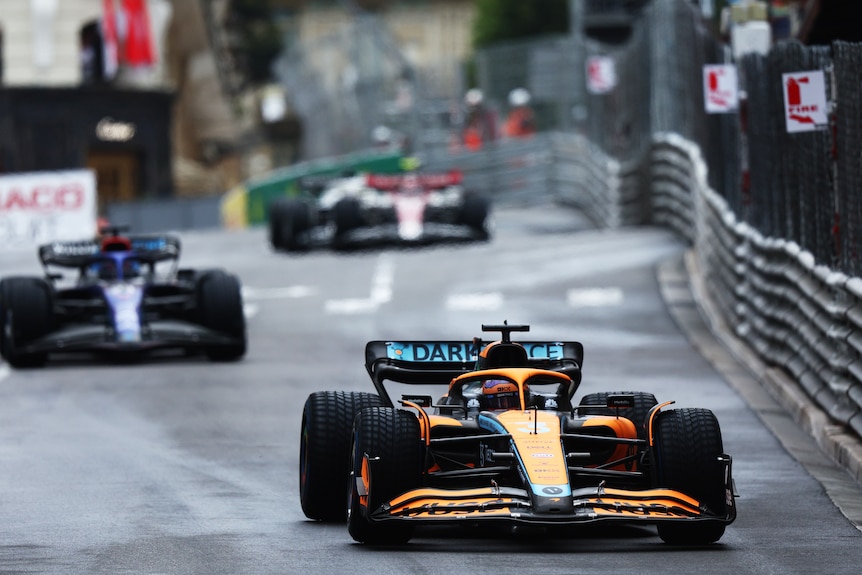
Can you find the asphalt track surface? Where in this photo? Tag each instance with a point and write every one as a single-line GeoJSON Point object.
{"type": "Point", "coordinates": [177, 465]}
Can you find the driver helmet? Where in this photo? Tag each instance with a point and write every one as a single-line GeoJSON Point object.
{"type": "Point", "coordinates": [499, 395]}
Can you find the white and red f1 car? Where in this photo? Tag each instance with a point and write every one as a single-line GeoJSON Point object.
{"type": "Point", "coordinates": [366, 208]}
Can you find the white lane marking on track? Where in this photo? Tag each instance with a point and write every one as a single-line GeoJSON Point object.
{"type": "Point", "coordinates": [250, 310]}
{"type": "Point", "coordinates": [381, 292]}
{"type": "Point", "coordinates": [595, 297]}
{"type": "Point", "coordinates": [489, 301]}
{"type": "Point", "coordinates": [4, 372]}
{"type": "Point", "coordinates": [350, 306]}
{"type": "Point", "coordinates": [289, 292]}
{"type": "Point", "coordinates": [381, 283]}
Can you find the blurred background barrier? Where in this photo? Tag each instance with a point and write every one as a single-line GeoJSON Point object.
{"type": "Point", "coordinates": [799, 317]}
{"type": "Point", "coordinates": [153, 216]}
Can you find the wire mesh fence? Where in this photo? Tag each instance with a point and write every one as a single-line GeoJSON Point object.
{"type": "Point", "coordinates": [802, 187]}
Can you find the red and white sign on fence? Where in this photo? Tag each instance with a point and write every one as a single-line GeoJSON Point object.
{"type": "Point", "coordinates": [805, 107]}
{"type": "Point", "coordinates": [601, 74]}
{"type": "Point", "coordinates": [42, 207]}
{"type": "Point", "coordinates": [720, 88]}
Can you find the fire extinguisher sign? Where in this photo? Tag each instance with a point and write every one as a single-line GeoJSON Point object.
{"type": "Point", "coordinates": [720, 88]}
{"type": "Point", "coordinates": [805, 107]}
{"type": "Point", "coordinates": [601, 74]}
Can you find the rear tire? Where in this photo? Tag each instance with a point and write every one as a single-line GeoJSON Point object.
{"type": "Point", "coordinates": [324, 453]}
{"type": "Point", "coordinates": [27, 305]}
{"type": "Point", "coordinates": [687, 449]}
{"type": "Point", "coordinates": [220, 309]}
{"type": "Point", "coordinates": [391, 438]}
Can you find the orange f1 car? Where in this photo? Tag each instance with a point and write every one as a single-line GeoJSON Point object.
{"type": "Point", "coordinates": [506, 444]}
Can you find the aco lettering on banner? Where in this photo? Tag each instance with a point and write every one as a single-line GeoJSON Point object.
{"type": "Point", "coordinates": [41, 207]}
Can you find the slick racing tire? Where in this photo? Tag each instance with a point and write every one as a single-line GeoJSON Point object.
{"type": "Point", "coordinates": [474, 214]}
{"type": "Point", "coordinates": [687, 449]}
{"type": "Point", "coordinates": [27, 314]}
{"type": "Point", "coordinates": [220, 309]}
{"type": "Point", "coordinates": [289, 220]}
{"type": "Point", "coordinates": [643, 403]}
{"type": "Point", "coordinates": [387, 461]}
{"type": "Point", "coordinates": [347, 216]}
{"type": "Point", "coordinates": [324, 452]}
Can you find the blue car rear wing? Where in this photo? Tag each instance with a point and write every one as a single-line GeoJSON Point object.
{"type": "Point", "coordinates": [78, 254]}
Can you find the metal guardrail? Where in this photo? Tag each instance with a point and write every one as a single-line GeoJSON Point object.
{"type": "Point", "coordinates": [800, 316]}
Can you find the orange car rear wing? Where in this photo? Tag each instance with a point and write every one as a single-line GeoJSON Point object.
{"type": "Point", "coordinates": [439, 361]}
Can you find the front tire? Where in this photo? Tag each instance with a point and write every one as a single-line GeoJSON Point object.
{"type": "Point", "coordinates": [687, 448]}
{"type": "Point", "coordinates": [220, 309]}
{"type": "Point", "coordinates": [289, 222]}
{"type": "Point", "coordinates": [387, 461]}
{"type": "Point", "coordinates": [347, 216]}
{"type": "Point", "coordinates": [324, 452]}
{"type": "Point", "coordinates": [27, 305]}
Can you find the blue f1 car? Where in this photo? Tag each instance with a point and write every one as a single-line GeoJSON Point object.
{"type": "Point", "coordinates": [129, 296]}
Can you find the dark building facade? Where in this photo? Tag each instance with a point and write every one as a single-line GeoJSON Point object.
{"type": "Point", "coordinates": [124, 135]}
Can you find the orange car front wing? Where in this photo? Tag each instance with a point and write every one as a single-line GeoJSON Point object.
{"type": "Point", "coordinates": [511, 504]}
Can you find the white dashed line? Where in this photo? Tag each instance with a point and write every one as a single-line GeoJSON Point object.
{"type": "Point", "coordinates": [489, 301]}
{"type": "Point", "coordinates": [595, 297]}
{"type": "Point", "coordinates": [350, 306]}
{"type": "Point", "coordinates": [289, 292]}
{"type": "Point", "coordinates": [381, 292]}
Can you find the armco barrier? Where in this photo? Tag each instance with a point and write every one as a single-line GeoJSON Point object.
{"type": "Point", "coordinates": [802, 319]}
{"type": "Point", "coordinates": [513, 171]}
{"type": "Point", "coordinates": [587, 178]}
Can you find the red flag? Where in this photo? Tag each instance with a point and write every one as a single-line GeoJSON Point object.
{"type": "Point", "coordinates": [110, 42]}
{"type": "Point", "coordinates": [138, 48]}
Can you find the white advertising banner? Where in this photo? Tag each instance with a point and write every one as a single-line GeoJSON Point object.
{"type": "Point", "coordinates": [720, 88]}
{"type": "Point", "coordinates": [805, 107]}
{"type": "Point", "coordinates": [42, 207]}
